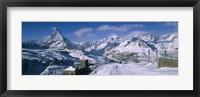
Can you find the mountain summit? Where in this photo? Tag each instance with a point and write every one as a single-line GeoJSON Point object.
{"type": "Point", "coordinates": [58, 41]}
{"type": "Point", "coordinates": [55, 36]}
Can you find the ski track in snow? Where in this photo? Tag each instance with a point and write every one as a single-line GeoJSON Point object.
{"type": "Point", "coordinates": [143, 68]}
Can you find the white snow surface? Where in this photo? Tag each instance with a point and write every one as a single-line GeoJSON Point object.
{"type": "Point", "coordinates": [70, 68]}
{"type": "Point", "coordinates": [38, 54]}
{"type": "Point", "coordinates": [146, 36]}
{"type": "Point", "coordinates": [169, 37]}
{"type": "Point", "coordinates": [53, 70]}
{"type": "Point", "coordinates": [130, 47]}
{"type": "Point", "coordinates": [101, 46]}
{"type": "Point", "coordinates": [79, 54]}
{"type": "Point", "coordinates": [142, 68]}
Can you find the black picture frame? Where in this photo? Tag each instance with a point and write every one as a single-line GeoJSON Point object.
{"type": "Point", "coordinates": [98, 3]}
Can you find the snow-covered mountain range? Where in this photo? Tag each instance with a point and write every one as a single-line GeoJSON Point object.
{"type": "Point", "coordinates": [37, 55]}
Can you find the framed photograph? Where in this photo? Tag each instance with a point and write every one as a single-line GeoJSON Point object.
{"type": "Point", "coordinates": [99, 48]}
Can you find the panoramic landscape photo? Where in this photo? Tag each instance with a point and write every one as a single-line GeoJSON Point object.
{"type": "Point", "coordinates": [99, 48]}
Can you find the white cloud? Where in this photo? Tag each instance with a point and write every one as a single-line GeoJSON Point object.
{"type": "Point", "coordinates": [171, 24]}
{"type": "Point", "coordinates": [139, 33]}
{"type": "Point", "coordinates": [119, 28]}
{"type": "Point", "coordinates": [133, 25]}
{"type": "Point", "coordinates": [114, 28]}
{"type": "Point", "coordinates": [123, 28]}
{"type": "Point", "coordinates": [90, 35]}
{"type": "Point", "coordinates": [83, 31]}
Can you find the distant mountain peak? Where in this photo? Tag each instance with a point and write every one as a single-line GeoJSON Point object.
{"type": "Point", "coordinates": [113, 36]}
{"type": "Point", "coordinates": [169, 37]}
{"type": "Point", "coordinates": [146, 36]}
{"type": "Point", "coordinates": [134, 39]}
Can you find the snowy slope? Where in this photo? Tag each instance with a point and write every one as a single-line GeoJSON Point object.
{"type": "Point", "coordinates": [81, 55]}
{"type": "Point", "coordinates": [104, 44]}
{"type": "Point", "coordinates": [146, 36]}
{"type": "Point", "coordinates": [133, 69]}
{"type": "Point", "coordinates": [53, 70]}
{"type": "Point", "coordinates": [169, 37]}
{"type": "Point", "coordinates": [168, 41]}
{"type": "Point", "coordinates": [47, 54]}
{"type": "Point", "coordinates": [135, 47]}
{"type": "Point", "coordinates": [36, 60]}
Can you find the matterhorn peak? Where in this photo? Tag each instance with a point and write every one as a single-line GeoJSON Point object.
{"type": "Point", "coordinates": [113, 36]}
{"type": "Point", "coordinates": [57, 40]}
{"type": "Point", "coordinates": [55, 36]}
{"type": "Point", "coordinates": [56, 33]}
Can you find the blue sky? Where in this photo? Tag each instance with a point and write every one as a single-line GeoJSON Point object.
{"type": "Point", "coordinates": [91, 31]}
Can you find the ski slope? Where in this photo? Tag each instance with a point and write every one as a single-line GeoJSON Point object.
{"type": "Point", "coordinates": [142, 68]}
